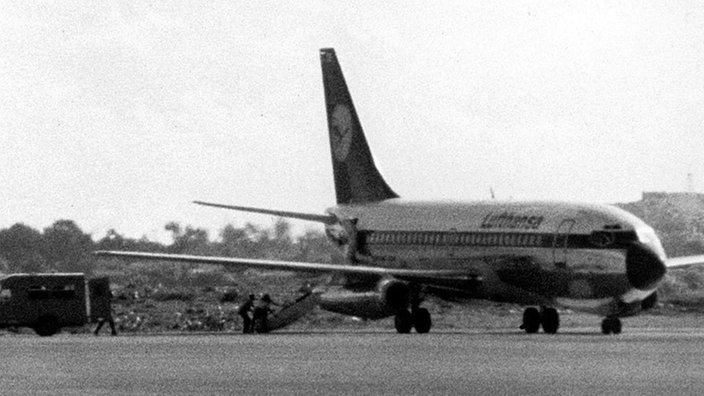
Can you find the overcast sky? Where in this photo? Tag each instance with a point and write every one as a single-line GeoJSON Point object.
{"type": "Point", "coordinates": [118, 114]}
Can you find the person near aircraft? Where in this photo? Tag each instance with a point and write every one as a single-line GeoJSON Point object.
{"type": "Point", "coordinates": [244, 309]}
{"type": "Point", "coordinates": [262, 309]}
{"type": "Point", "coordinates": [101, 321]}
{"type": "Point", "coordinates": [104, 313]}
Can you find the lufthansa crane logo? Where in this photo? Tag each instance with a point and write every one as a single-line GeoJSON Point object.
{"type": "Point", "coordinates": [341, 132]}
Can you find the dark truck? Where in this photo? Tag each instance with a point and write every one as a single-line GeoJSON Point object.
{"type": "Point", "coordinates": [48, 302]}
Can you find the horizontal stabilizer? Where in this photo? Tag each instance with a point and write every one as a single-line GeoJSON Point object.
{"type": "Point", "coordinates": [448, 278]}
{"type": "Point", "coordinates": [326, 219]}
{"type": "Point", "coordinates": [684, 262]}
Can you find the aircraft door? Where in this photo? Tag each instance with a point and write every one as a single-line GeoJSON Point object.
{"type": "Point", "coordinates": [451, 242]}
{"type": "Point", "coordinates": [352, 247]}
{"type": "Point", "coordinates": [560, 251]}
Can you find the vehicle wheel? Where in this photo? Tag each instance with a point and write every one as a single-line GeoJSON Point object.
{"type": "Point", "coordinates": [606, 326]}
{"type": "Point", "coordinates": [46, 326]}
{"type": "Point", "coordinates": [403, 322]}
{"type": "Point", "coordinates": [531, 320]}
{"type": "Point", "coordinates": [421, 320]}
{"type": "Point", "coordinates": [550, 320]}
{"type": "Point", "coordinates": [611, 325]}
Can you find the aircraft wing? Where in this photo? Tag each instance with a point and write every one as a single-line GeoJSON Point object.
{"type": "Point", "coordinates": [446, 278]}
{"type": "Point", "coordinates": [684, 262]}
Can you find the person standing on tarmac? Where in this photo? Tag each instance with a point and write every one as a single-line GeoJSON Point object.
{"type": "Point", "coordinates": [243, 311]}
{"type": "Point", "coordinates": [106, 317]}
{"type": "Point", "coordinates": [101, 321]}
{"type": "Point", "coordinates": [261, 312]}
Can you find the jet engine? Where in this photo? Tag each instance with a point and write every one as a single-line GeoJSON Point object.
{"type": "Point", "coordinates": [385, 299]}
{"type": "Point", "coordinates": [395, 294]}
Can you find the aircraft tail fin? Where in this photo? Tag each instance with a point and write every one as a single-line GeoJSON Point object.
{"type": "Point", "coordinates": [357, 179]}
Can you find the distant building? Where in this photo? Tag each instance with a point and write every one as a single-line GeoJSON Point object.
{"type": "Point", "coordinates": [660, 195]}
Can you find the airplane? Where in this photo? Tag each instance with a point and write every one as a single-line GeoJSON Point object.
{"type": "Point", "coordinates": [542, 254]}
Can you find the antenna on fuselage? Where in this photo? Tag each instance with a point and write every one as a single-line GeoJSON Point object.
{"type": "Point", "coordinates": [491, 190]}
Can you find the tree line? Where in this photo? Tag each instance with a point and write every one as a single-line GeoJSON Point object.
{"type": "Point", "coordinates": [64, 247]}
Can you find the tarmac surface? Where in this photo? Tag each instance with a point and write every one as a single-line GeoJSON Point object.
{"type": "Point", "coordinates": [639, 361]}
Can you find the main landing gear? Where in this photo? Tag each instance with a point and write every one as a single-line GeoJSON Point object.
{"type": "Point", "coordinates": [418, 318]}
{"type": "Point", "coordinates": [549, 318]}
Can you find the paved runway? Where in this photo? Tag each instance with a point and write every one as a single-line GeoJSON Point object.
{"type": "Point", "coordinates": [478, 362]}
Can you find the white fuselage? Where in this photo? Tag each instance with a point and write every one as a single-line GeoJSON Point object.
{"type": "Point", "coordinates": [566, 253]}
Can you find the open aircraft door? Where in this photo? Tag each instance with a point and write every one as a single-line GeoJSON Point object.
{"type": "Point", "coordinates": [560, 251]}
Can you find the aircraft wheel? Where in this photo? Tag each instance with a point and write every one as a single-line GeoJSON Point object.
{"type": "Point", "coordinates": [550, 320]}
{"type": "Point", "coordinates": [403, 322]}
{"type": "Point", "coordinates": [611, 325]}
{"type": "Point", "coordinates": [421, 320]}
{"type": "Point", "coordinates": [531, 320]}
{"type": "Point", "coordinates": [46, 326]}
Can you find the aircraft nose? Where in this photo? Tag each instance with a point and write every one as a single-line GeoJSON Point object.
{"type": "Point", "coordinates": [644, 268]}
